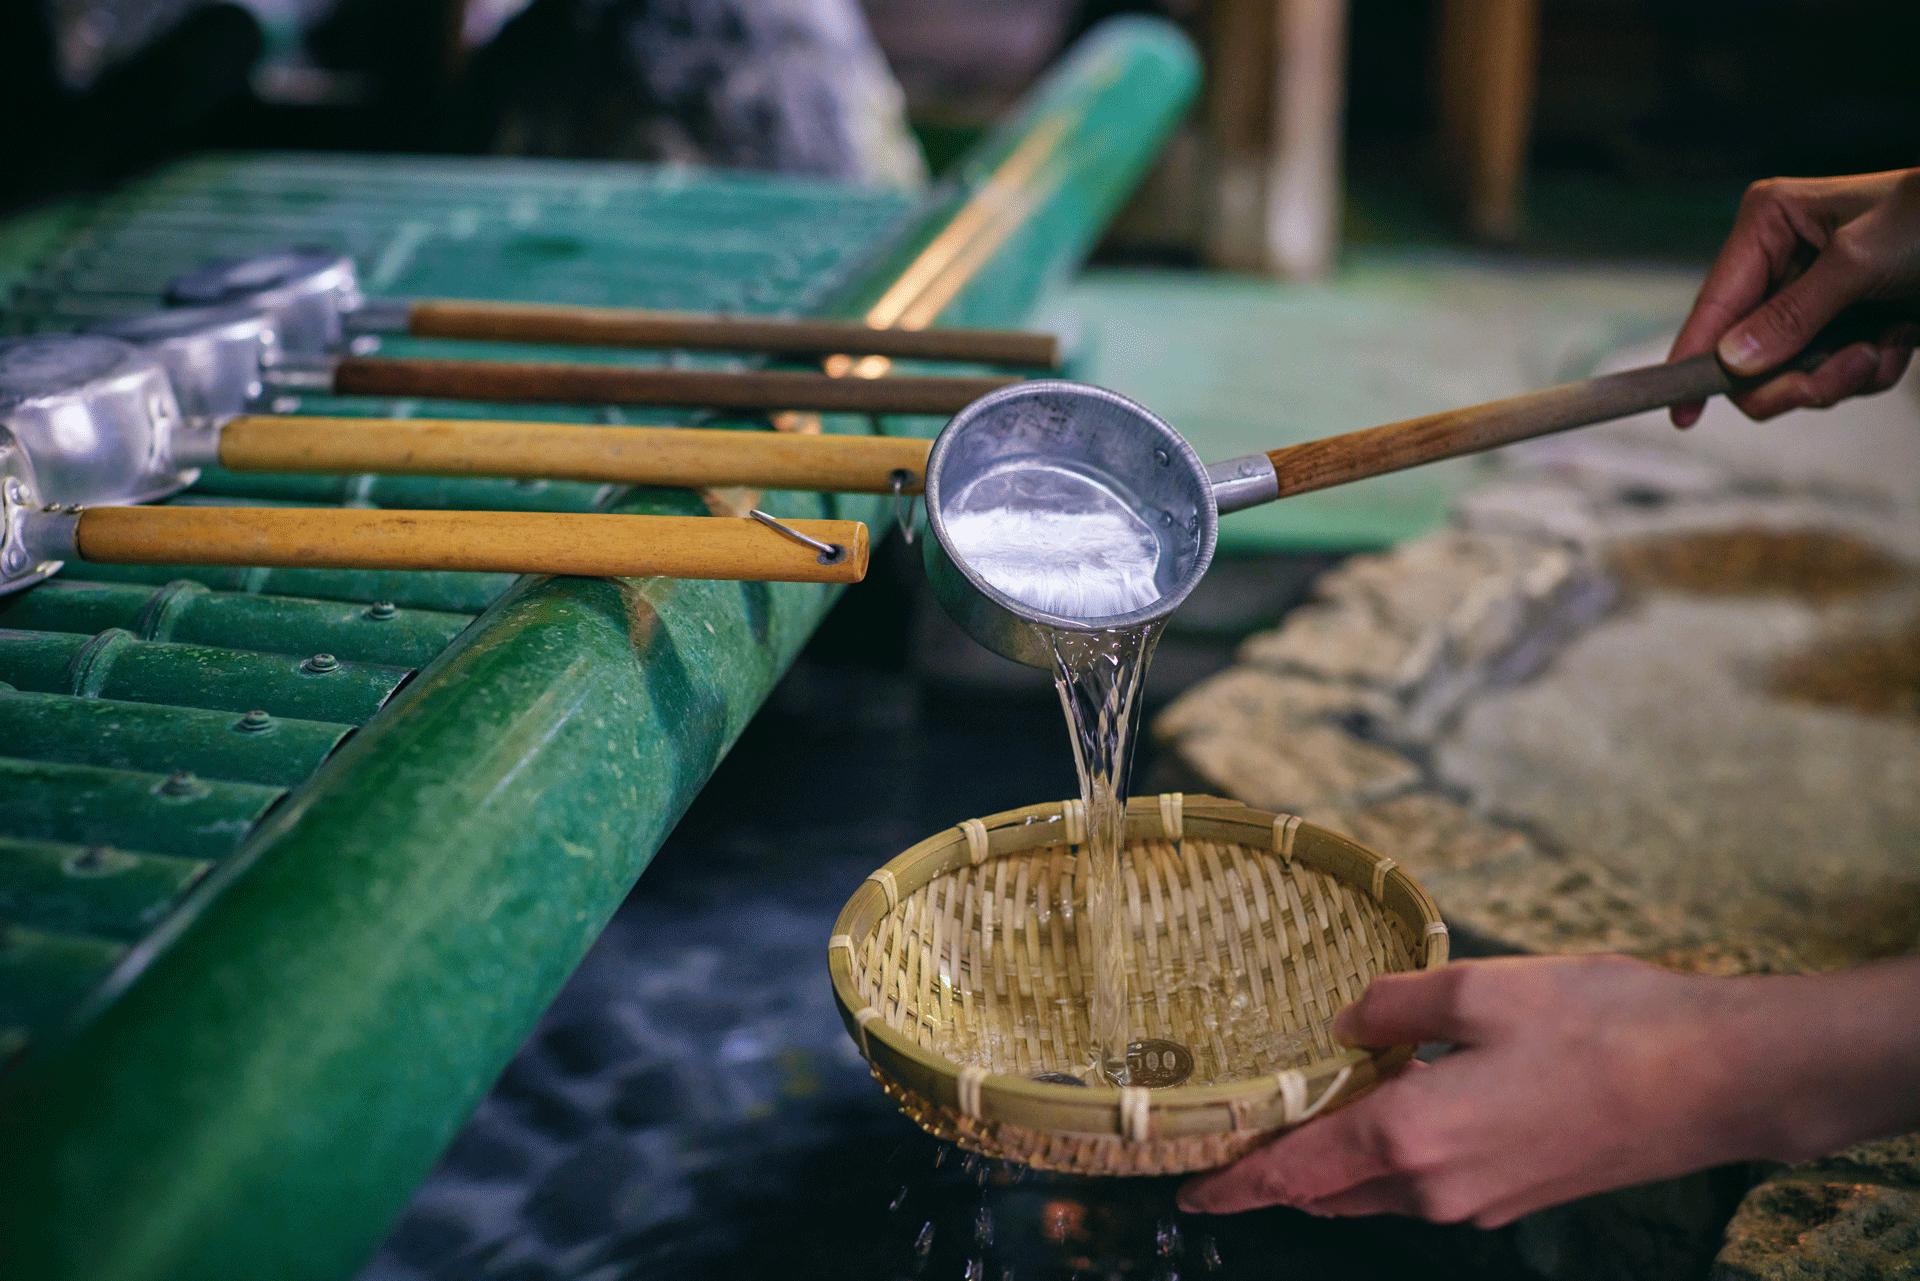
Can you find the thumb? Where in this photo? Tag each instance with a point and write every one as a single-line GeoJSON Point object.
{"type": "Point", "coordinates": [1782, 327]}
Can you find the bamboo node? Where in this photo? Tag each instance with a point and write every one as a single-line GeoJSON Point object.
{"type": "Point", "coordinates": [884, 879]}
{"type": "Point", "coordinates": [1332, 1092]}
{"type": "Point", "coordinates": [1136, 1119]}
{"type": "Point", "coordinates": [968, 1084]}
{"type": "Point", "coordinates": [1074, 815]}
{"type": "Point", "coordinates": [1380, 871]}
{"type": "Point", "coordinates": [1172, 820]}
{"type": "Point", "coordinates": [976, 833]}
{"type": "Point", "coordinates": [1284, 826]}
{"type": "Point", "coordinates": [1293, 1095]}
{"type": "Point", "coordinates": [861, 1017]}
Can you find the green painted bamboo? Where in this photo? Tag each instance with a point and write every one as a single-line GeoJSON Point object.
{"type": "Point", "coordinates": [175, 813]}
{"type": "Point", "coordinates": [91, 889]}
{"type": "Point", "coordinates": [402, 923]}
{"type": "Point", "coordinates": [253, 746]}
{"type": "Point", "coordinates": [187, 611]}
{"type": "Point", "coordinates": [114, 664]}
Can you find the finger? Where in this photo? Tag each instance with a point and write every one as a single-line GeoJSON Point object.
{"type": "Point", "coordinates": [1758, 250]}
{"type": "Point", "coordinates": [1317, 1160]}
{"type": "Point", "coordinates": [1848, 372]}
{"type": "Point", "coordinates": [1395, 1194]}
{"type": "Point", "coordinates": [1406, 1009]}
{"type": "Point", "coordinates": [1783, 325]}
{"type": "Point", "coordinates": [1687, 414]}
{"type": "Point", "coordinates": [1891, 367]}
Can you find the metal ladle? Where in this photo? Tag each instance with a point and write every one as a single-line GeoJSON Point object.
{"type": "Point", "coordinates": [102, 425]}
{"type": "Point", "coordinates": [318, 295]}
{"type": "Point", "coordinates": [309, 298]}
{"type": "Point", "coordinates": [1100, 438]}
{"type": "Point", "coordinates": [98, 417]}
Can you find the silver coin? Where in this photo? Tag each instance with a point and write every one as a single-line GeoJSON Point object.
{"type": "Point", "coordinates": [1157, 1064]}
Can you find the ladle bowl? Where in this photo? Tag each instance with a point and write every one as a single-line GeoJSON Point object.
{"type": "Point", "coordinates": [216, 355]}
{"type": "Point", "coordinates": [1094, 437]}
{"type": "Point", "coordinates": [308, 293]}
{"type": "Point", "coordinates": [97, 415]}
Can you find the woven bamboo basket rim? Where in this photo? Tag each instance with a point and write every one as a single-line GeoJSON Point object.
{"type": "Point", "coordinates": [1242, 1107]}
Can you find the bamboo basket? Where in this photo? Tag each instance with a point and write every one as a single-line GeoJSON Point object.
{"type": "Point", "coordinates": [958, 974]}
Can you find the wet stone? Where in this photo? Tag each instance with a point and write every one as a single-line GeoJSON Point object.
{"type": "Point", "coordinates": [647, 1096]}
{"type": "Point", "coordinates": [1793, 1229]}
{"type": "Point", "coordinates": [488, 1151]}
{"type": "Point", "coordinates": [1429, 835]}
{"type": "Point", "coordinates": [588, 1047]}
{"type": "Point", "coordinates": [427, 1235]}
{"type": "Point", "coordinates": [556, 1116]}
{"type": "Point", "coordinates": [586, 1194]}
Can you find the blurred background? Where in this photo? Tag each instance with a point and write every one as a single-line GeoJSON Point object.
{"type": "Point", "coordinates": [1577, 125]}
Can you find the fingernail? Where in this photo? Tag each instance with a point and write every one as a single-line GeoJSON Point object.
{"type": "Point", "coordinates": [1740, 352]}
{"type": "Point", "coordinates": [1193, 1199]}
{"type": "Point", "coordinates": [1343, 1025]}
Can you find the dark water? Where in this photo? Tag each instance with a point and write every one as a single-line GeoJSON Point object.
{"type": "Point", "coordinates": [691, 1106]}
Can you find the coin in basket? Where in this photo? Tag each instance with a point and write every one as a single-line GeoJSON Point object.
{"type": "Point", "coordinates": [1156, 1064]}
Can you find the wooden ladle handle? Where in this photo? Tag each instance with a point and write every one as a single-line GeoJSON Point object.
{"type": "Point", "coordinates": [692, 331]}
{"type": "Point", "coordinates": [592, 544]}
{"type": "Point", "coordinates": [1374, 451]}
{"type": "Point", "coordinates": [690, 457]}
{"type": "Point", "coordinates": [751, 389]}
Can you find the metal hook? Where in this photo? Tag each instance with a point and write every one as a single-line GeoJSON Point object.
{"type": "Point", "coordinates": [902, 502]}
{"type": "Point", "coordinates": [830, 553]}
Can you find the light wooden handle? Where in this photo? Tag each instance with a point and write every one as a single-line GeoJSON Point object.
{"type": "Point", "coordinates": [1374, 451]}
{"type": "Point", "coordinates": [505, 380]}
{"type": "Point", "coordinates": [593, 545]}
{"type": "Point", "coordinates": [692, 331]}
{"type": "Point", "coordinates": [684, 456]}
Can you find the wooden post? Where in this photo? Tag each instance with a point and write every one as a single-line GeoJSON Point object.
{"type": "Point", "coordinates": [1488, 63]}
{"type": "Point", "coordinates": [1274, 118]}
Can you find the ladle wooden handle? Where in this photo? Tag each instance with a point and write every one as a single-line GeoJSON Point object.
{"type": "Point", "coordinates": [593, 545]}
{"type": "Point", "coordinates": [1374, 451]}
{"type": "Point", "coordinates": [692, 331]}
{"type": "Point", "coordinates": [684, 456]}
{"type": "Point", "coordinates": [624, 385]}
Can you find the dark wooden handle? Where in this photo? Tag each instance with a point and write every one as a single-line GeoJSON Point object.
{"type": "Point", "coordinates": [1336, 460]}
{"type": "Point", "coordinates": [754, 389]}
{"type": "Point", "coordinates": [692, 331]}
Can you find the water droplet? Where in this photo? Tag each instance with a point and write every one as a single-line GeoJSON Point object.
{"type": "Point", "coordinates": [899, 1199]}
{"type": "Point", "coordinates": [1166, 1238]}
{"type": "Point", "coordinates": [1210, 1254]}
{"type": "Point", "coordinates": [923, 1246]}
{"type": "Point", "coordinates": [940, 1155]}
{"type": "Point", "coordinates": [969, 1162]}
{"type": "Point", "coordinates": [983, 1227]}
{"type": "Point", "coordinates": [976, 1270]}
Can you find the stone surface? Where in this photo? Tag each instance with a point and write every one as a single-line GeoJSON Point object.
{"type": "Point", "coordinates": [1807, 1229]}
{"type": "Point", "coordinates": [1430, 835]}
{"type": "Point", "coordinates": [1389, 621]}
{"type": "Point", "coordinates": [1316, 766]}
{"type": "Point", "coordinates": [1264, 705]}
{"type": "Point", "coordinates": [1653, 749]}
{"type": "Point", "coordinates": [1531, 903]}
